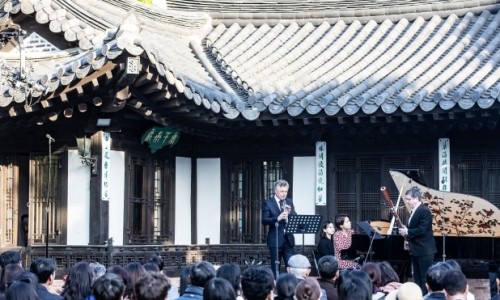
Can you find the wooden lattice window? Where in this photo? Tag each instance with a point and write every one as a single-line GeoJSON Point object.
{"type": "Point", "coordinates": [149, 205]}
{"type": "Point", "coordinates": [251, 182]}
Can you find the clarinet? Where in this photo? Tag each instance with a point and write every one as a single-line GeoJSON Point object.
{"type": "Point", "coordinates": [388, 200]}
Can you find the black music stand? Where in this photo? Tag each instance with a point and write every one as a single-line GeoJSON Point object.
{"type": "Point", "coordinates": [303, 224]}
{"type": "Point", "coordinates": [372, 233]}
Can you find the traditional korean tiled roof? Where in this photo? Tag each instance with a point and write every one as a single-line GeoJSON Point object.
{"type": "Point", "coordinates": [264, 59]}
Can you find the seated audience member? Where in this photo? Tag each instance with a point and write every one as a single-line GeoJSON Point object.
{"type": "Point", "coordinates": [285, 286]}
{"type": "Point", "coordinates": [434, 281]}
{"type": "Point", "coordinates": [373, 270]}
{"type": "Point", "coordinates": [354, 285]}
{"type": "Point", "coordinates": [184, 280]}
{"type": "Point", "coordinates": [45, 271]}
{"type": "Point", "coordinates": [78, 282]}
{"type": "Point", "coordinates": [151, 267]}
{"type": "Point", "coordinates": [98, 269]}
{"type": "Point", "coordinates": [18, 290]}
{"type": "Point", "coordinates": [7, 258]}
{"type": "Point", "coordinates": [325, 244]}
{"type": "Point", "coordinates": [135, 271]}
{"type": "Point", "coordinates": [257, 283]}
{"type": "Point", "coordinates": [299, 266]}
{"type": "Point", "coordinates": [218, 289]}
{"type": "Point", "coordinates": [407, 291]}
{"type": "Point", "coordinates": [456, 266]}
{"type": "Point", "coordinates": [497, 280]}
{"type": "Point", "coordinates": [308, 289]}
{"type": "Point", "coordinates": [199, 274]}
{"type": "Point", "coordinates": [155, 259]}
{"type": "Point", "coordinates": [120, 271]}
{"type": "Point", "coordinates": [152, 286]}
{"type": "Point", "coordinates": [232, 273]}
{"type": "Point", "coordinates": [10, 272]}
{"type": "Point", "coordinates": [108, 287]}
{"type": "Point", "coordinates": [328, 269]}
{"type": "Point", "coordinates": [455, 285]}
{"type": "Point", "coordinates": [389, 279]}
{"type": "Point", "coordinates": [27, 277]}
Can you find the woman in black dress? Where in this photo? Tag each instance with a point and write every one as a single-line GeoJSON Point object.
{"type": "Point", "coordinates": [325, 245]}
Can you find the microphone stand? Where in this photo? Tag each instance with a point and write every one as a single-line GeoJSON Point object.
{"type": "Point", "coordinates": [49, 187]}
{"type": "Point", "coordinates": [277, 261]}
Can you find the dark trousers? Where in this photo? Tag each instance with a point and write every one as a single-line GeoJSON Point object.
{"type": "Point", "coordinates": [284, 252]}
{"type": "Point", "coordinates": [420, 265]}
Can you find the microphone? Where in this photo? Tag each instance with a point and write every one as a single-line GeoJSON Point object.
{"type": "Point", "coordinates": [51, 139]}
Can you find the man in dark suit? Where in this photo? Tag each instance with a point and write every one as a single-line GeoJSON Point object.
{"type": "Point", "coordinates": [420, 235]}
{"type": "Point", "coordinates": [275, 212]}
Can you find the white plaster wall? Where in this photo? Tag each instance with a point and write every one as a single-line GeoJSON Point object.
{"type": "Point", "coordinates": [208, 197]}
{"type": "Point", "coordinates": [78, 200]}
{"type": "Point", "coordinates": [303, 193]}
{"type": "Point", "coordinates": [182, 201]}
{"type": "Point", "coordinates": [117, 197]}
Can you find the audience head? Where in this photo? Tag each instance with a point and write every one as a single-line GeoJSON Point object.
{"type": "Point", "coordinates": [285, 286]}
{"type": "Point", "coordinates": [11, 271]}
{"type": "Point", "coordinates": [135, 271]}
{"type": "Point", "coordinates": [454, 264]}
{"type": "Point", "coordinates": [218, 289]}
{"type": "Point", "coordinates": [184, 280]}
{"type": "Point", "coordinates": [120, 271]}
{"type": "Point", "coordinates": [387, 273]}
{"type": "Point", "coordinates": [98, 269]}
{"type": "Point", "coordinates": [201, 272]}
{"type": "Point", "coordinates": [7, 258]}
{"type": "Point", "coordinates": [257, 283]}
{"type": "Point", "coordinates": [44, 268]}
{"type": "Point", "coordinates": [328, 267]}
{"type": "Point", "coordinates": [151, 267]}
{"type": "Point", "coordinates": [328, 225]}
{"type": "Point", "coordinates": [27, 277]}
{"type": "Point", "coordinates": [152, 286]}
{"type": "Point", "coordinates": [299, 265]}
{"type": "Point", "coordinates": [108, 287]}
{"type": "Point", "coordinates": [78, 282]}
{"type": "Point", "coordinates": [307, 289]}
{"type": "Point", "coordinates": [156, 259]}
{"type": "Point", "coordinates": [455, 283]}
{"type": "Point", "coordinates": [434, 276]}
{"type": "Point", "coordinates": [354, 285]}
{"type": "Point", "coordinates": [232, 273]}
{"type": "Point", "coordinates": [19, 290]}
{"type": "Point", "coordinates": [373, 270]}
{"type": "Point", "coordinates": [407, 291]}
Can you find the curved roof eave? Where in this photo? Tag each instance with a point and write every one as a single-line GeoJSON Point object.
{"type": "Point", "coordinates": [304, 69]}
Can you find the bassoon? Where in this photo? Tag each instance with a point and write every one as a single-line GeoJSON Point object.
{"type": "Point", "coordinates": [395, 214]}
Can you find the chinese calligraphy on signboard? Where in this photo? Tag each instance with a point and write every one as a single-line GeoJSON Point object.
{"type": "Point", "coordinates": [320, 173]}
{"type": "Point", "coordinates": [105, 167]}
{"type": "Point", "coordinates": [444, 164]}
{"type": "Point", "coordinates": [157, 137]}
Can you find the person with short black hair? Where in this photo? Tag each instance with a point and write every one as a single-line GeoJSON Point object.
{"type": "Point", "coordinates": [354, 285]}
{"type": "Point", "coordinates": [328, 269]}
{"type": "Point", "coordinates": [308, 289]}
{"type": "Point", "coordinates": [156, 259]}
{"type": "Point", "coordinates": [7, 258]}
{"type": "Point", "coordinates": [199, 274]}
{"type": "Point", "coordinates": [108, 287]}
{"type": "Point", "coordinates": [257, 283]}
{"type": "Point", "coordinates": [45, 271]}
{"type": "Point", "coordinates": [434, 281]}
{"type": "Point", "coordinates": [455, 285]}
{"type": "Point", "coordinates": [152, 286]}
{"type": "Point", "coordinates": [285, 286]}
{"type": "Point", "coordinates": [218, 288]}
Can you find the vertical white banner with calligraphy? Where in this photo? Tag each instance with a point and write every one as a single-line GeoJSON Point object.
{"type": "Point", "coordinates": [106, 158]}
{"type": "Point", "coordinates": [444, 164]}
{"type": "Point", "coordinates": [320, 173]}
